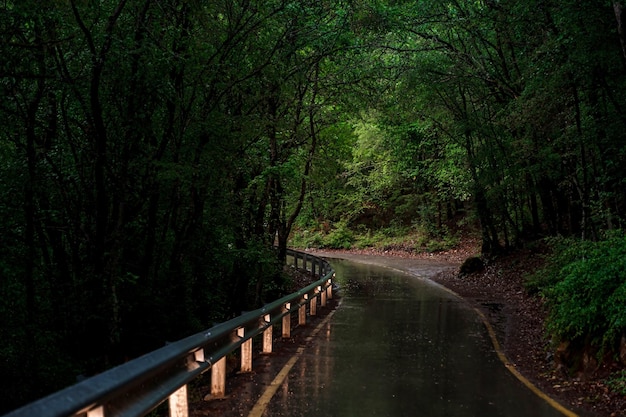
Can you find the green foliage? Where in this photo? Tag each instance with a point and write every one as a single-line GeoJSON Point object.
{"type": "Point", "coordinates": [563, 252]}
{"type": "Point", "coordinates": [617, 382]}
{"type": "Point", "coordinates": [306, 238]}
{"type": "Point", "coordinates": [395, 236]}
{"type": "Point", "coordinates": [151, 157]}
{"type": "Point", "coordinates": [147, 174]}
{"type": "Point", "coordinates": [340, 237]}
{"type": "Point", "coordinates": [261, 266]}
{"type": "Point", "coordinates": [585, 289]}
{"type": "Point", "coordinates": [371, 173]}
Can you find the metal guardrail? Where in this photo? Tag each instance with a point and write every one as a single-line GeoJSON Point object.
{"type": "Point", "coordinates": [139, 386]}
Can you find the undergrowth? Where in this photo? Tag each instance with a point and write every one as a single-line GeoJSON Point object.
{"type": "Point", "coordinates": [340, 236]}
{"type": "Point", "coordinates": [617, 382]}
{"type": "Point", "coordinates": [584, 284]}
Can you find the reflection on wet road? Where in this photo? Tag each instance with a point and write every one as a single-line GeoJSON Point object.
{"type": "Point", "coordinates": [399, 346]}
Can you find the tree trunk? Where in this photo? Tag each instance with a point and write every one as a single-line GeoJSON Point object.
{"type": "Point", "coordinates": [620, 16]}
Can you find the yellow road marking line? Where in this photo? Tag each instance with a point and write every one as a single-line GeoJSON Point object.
{"type": "Point", "coordinates": [264, 400]}
{"type": "Point", "coordinates": [511, 367]}
{"type": "Point", "coordinates": [496, 345]}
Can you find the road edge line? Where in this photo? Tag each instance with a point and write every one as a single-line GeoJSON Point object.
{"type": "Point", "coordinates": [504, 359]}
{"type": "Point", "coordinates": [511, 367]}
{"type": "Point", "coordinates": [497, 347]}
{"type": "Point", "coordinates": [261, 405]}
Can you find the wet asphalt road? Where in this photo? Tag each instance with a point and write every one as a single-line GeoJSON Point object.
{"type": "Point", "coordinates": [401, 346]}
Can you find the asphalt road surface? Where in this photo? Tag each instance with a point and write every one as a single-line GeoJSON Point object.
{"type": "Point", "coordinates": [400, 346]}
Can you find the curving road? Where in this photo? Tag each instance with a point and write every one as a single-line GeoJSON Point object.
{"type": "Point", "coordinates": [399, 346]}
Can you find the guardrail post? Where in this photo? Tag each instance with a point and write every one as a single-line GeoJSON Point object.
{"type": "Point", "coordinates": [302, 310]}
{"type": "Point", "coordinates": [179, 405]}
{"type": "Point", "coordinates": [246, 351]}
{"type": "Point", "coordinates": [323, 299]}
{"type": "Point", "coordinates": [218, 379]}
{"type": "Point", "coordinates": [121, 392]}
{"type": "Point", "coordinates": [313, 304]}
{"type": "Point", "coordinates": [287, 321]}
{"type": "Point", "coordinates": [329, 289]}
{"type": "Point", "coordinates": [267, 335]}
{"type": "Point", "coordinates": [96, 412]}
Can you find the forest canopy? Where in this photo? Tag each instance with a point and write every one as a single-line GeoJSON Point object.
{"type": "Point", "coordinates": [156, 155]}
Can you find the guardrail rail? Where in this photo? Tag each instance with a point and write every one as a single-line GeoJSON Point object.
{"type": "Point", "coordinates": [137, 387]}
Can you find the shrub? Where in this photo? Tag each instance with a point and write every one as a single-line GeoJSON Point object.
{"type": "Point", "coordinates": [341, 237]}
{"type": "Point", "coordinates": [587, 297]}
{"type": "Point", "coordinates": [617, 382]}
{"type": "Point", "coordinates": [563, 252]}
{"type": "Point", "coordinates": [306, 239]}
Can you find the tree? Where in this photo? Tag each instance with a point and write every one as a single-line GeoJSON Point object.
{"type": "Point", "coordinates": [498, 80]}
{"type": "Point", "coordinates": [153, 151]}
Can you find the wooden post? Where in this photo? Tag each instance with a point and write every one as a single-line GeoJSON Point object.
{"type": "Point", "coordinates": [179, 405]}
{"type": "Point", "coordinates": [323, 298]}
{"type": "Point", "coordinates": [313, 304]}
{"type": "Point", "coordinates": [302, 311]}
{"type": "Point", "coordinates": [96, 412]}
{"type": "Point", "coordinates": [218, 379]}
{"type": "Point", "coordinates": [267, 336]}
{"type": "Point", "coordinates": [287, 321]}
{"type": "Point", "coordinates": [246, 352]}
{"type": "Point", "coordinates": [198, 355]}
{"type": "Point", "coordinates": [329, 289]}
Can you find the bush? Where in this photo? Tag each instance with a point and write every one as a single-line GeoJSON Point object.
{"type": "Point", "coordinates": [395, 236]}
{"type": "Point", "coordinates": [563, 252]}
{"type": "Point", "coordinates": [306, 239]}
{"type": "Point", "coordinates": [617, 382]}
{"type": "Point", "coordinates": [341, 237]}
{"type": "Point", "coordinates": [587, 296]}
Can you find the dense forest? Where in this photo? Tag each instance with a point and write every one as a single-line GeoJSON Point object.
{"type": "Point", "coordinates": [157, 155]}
